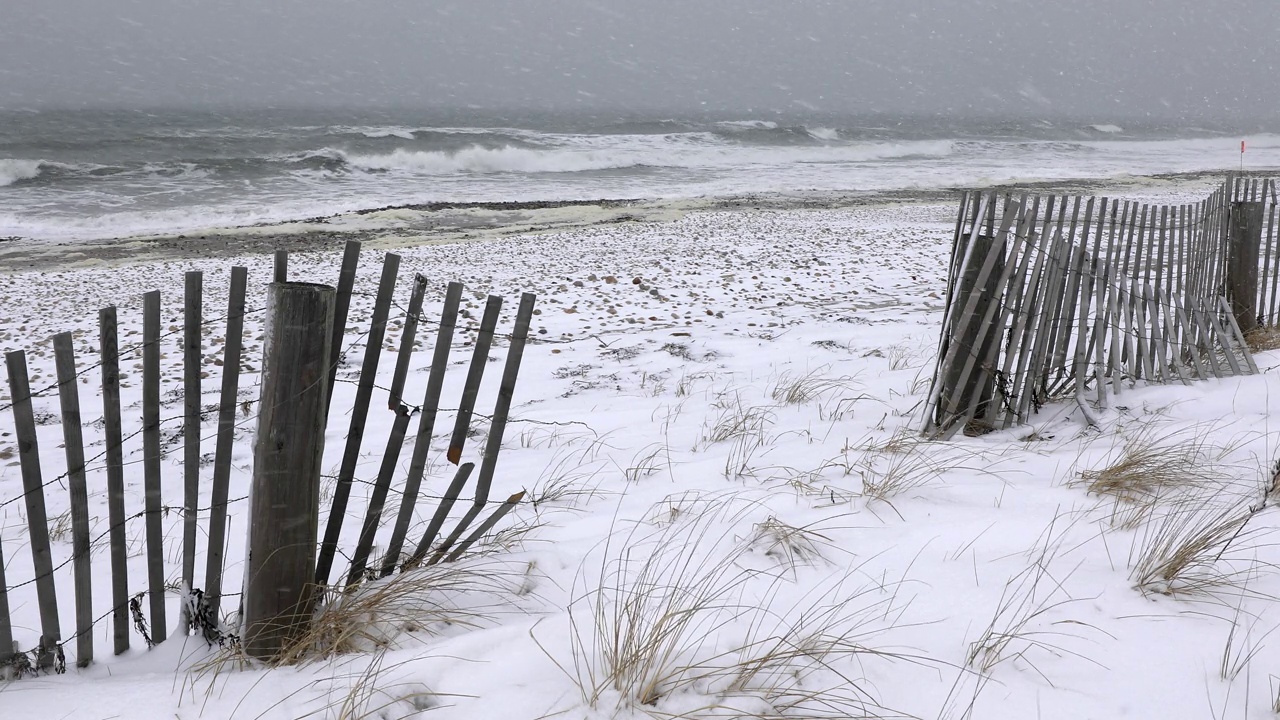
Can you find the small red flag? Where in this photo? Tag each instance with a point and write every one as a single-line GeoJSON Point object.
{"type": "Point", "coordinates": [1241, 147]}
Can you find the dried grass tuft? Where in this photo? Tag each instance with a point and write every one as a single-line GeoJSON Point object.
{"type": "Point", "coordinates": [1263, 339]}
{"type": "Point", "coordinates": [429, 600]}
{"type": "Point", "coordinates": [790, 545]}
{"type": "Point", "coordinates": [674, 626]}
{"type": "Point", "coordinates": [1149, 465]}
{"type": "Point", "coordinates": [1197, 543]}
{"type": "Point", "coordinates": [793, 389]}
{"type": "Point", "coordinates": [737, 421]}
{"type": "Point", "coordinates": [1021, 626]}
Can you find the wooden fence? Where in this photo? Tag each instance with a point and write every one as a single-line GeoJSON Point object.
{"type": "Point", "coordinates": [108, 469]}
{"type": "Point", "coordinates": [1064, 297]}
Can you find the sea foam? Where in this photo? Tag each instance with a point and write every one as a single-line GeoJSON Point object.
{"type": "Point", "coordinates": [14, 170]}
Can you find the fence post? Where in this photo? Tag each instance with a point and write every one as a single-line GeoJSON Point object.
{"type": "Point", "coordinates": [284, 502]}
{"type": "Point", "coordinates": [976, 339]}
{"type": "Point", "coordinates": [1244, 238]}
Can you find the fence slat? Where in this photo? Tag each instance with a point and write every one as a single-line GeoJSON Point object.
{"type": "Point", "coordinates": [1080, 284]}
{"type": "Point", "coordinates": [1193, 351]}
{"type": "Point", "coordinates": [1208, 339]}
{"type": "Point", "coordinates": [507, 506]}
{"type": "Point", "coordinates": [342, 306]}
{"type": "Point", "coordinates": [1065, 287]}
{"type": "Point", "coordinates": [359, 414]}
{"type": "Point", "coordinates": [73, 445]}
{"type": "Point", "coordinates": [6, 625]}
{"type": "Point", "coordinates": [33, 494]}
{"type": "Point", "coordinates": [475, 374]}
{"type": "Point", "coordinates": [1238, 336]}
{"type": "Point", "coordinates": [193, 320]}
{"type": "Point", "coordinates": [1105, 317]}
{"type": "Point", "coordinates": [227, 404]}
{"type": "Point", "coordinates": [426, 426]}
{"type": "Point", "coordinates": [109, 355]}
{"type": "Point", "coordinates": [506, 390]}
{"type": "Point", "coordinates": [1027, 238]}
{"type": "Point", "coordinates": [280, 266]}
{"type": "Point", "coordinates": [1275, 281]}
{"type": "Point", "coordinates": [151, 457]}
{"type": "Point", "coordinates": [447, 502]}
{"type": "Point", "coordinates": [381, 486]}
{"type": "Point", "coordinates": [407, 337]}
{"type": "Point", "coordinates": [1033, 302]}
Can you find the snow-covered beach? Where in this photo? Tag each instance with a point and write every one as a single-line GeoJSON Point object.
{"type": "Point", "coordinates": [730, 512]}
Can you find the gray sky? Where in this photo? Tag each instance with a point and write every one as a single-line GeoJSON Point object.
{"type": "Point", "coordinates": [1111, 58]}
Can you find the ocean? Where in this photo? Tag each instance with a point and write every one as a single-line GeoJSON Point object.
{"type": "Point", "coordinates": [87, 175]}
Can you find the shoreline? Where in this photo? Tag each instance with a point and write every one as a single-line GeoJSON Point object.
{"type": "Point", "coordinates": [413, 225]}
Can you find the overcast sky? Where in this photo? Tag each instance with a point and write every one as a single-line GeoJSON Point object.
{"type": "Point", "coordinates": [1110, 58]}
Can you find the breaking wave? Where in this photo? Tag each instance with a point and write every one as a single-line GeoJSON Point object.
{"type": "Point", "coordinates": [16, 170]}
{"type": "Point", "coordinates": [508, 159]}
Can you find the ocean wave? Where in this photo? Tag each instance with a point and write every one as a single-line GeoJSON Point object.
{"type": "Point", "coordinates": [478, 159]}
{"type": "Point", "coordinates": [748, 124]}
{"type": "Point", "coordinates": [16, 170]}
{"type": "Point", "coordinates": [823, 133]}
{"type": "Point", "coordinates": [383, 132]}
{"type": "Point", "coordinates": [1106, 128]}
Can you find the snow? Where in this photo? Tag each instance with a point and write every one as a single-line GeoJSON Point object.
{"type": "Point", "coordinates": [735, 414]}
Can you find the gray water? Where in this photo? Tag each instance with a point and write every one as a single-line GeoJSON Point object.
{"type": "Point", "coordinates": [95, 174]}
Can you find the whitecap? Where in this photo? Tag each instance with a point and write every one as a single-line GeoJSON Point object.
{"type": "Point", "coordinates": [14, 170]}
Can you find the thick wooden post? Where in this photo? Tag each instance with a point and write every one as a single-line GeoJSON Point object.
{"type": "Point", "coordinates": [1244, 238]}
{"type": "Point", "coordinates": [970, 336]}
{"type": "Point", "coordinates": [284, 502]}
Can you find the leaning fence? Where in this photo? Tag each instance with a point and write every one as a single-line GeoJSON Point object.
{"type": "Point", "coordinates": [1054, 297]}
{"type": "Point", "coordinates": [205, 524]}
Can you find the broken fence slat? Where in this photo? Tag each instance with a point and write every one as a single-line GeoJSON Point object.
{"type": "Point", "coordinates": [447, 502]}
{"type": "Point", "coordinates": [507, 506]}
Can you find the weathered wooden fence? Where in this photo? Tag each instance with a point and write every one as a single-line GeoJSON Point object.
{"type": "Point", "coordinates": [1064, 297]}
{"type": "Point", "coordinates": [109, 469]}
